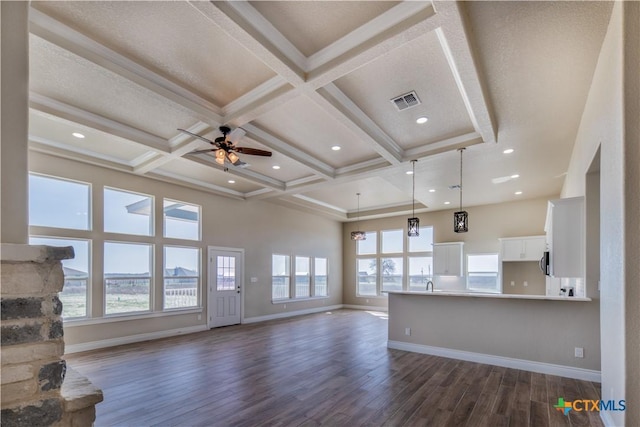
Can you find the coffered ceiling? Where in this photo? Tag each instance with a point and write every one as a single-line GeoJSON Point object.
{"type": "Point", "coordinates": [301, 77]}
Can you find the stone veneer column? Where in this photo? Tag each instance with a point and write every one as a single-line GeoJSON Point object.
{"type": "Point", "coordinates": [32, 343]}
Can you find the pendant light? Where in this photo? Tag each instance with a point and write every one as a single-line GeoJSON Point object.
{"type": "Point", "coordinates": [358, 235]}
{"type": "Point", "coordinates": [461, 218]}
{"type": "Point", "coordinates": [413, 225]}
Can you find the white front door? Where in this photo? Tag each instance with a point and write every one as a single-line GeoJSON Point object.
{"type": "Point", "coordinates": [225, 286]}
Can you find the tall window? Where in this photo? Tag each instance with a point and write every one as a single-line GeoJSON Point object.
{"type": "Point", "coordinates": [420, 259]}
{"type": "Point", "coordinates": [76, 275]}
{"type": "Point", "coordinates": [181, 277]}
{"type": "Point", "coordinates": [127, 277]}
{"type": "Point", "coordinates": [393, 265]}
{"type": "Point", "coordinates": [303, 277]}
{"type": "Point", "coordinates": [320, 277]}
{"type": "Point", "coordinates": [128, 213]}
{"type": "Point", "coordinates": [181, 220]}
{"type": "Point", "coordinates": [483, 272]}
{"type": "Point", "coordinates": [60, 203]}
{"type": "Point", "coordinates": [280, 276]}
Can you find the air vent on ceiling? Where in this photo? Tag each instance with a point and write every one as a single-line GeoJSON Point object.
{"type": "Point", "coordinates": [405, 101]}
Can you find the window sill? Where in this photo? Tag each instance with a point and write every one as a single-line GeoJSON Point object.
{"type": "Point", "coordinates": [288, 300]}
{"type": "Point", "coordinates": [129, 317]}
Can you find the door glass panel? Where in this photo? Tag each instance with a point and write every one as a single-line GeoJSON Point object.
{"type": "Point", "coordinates": [226, 277]}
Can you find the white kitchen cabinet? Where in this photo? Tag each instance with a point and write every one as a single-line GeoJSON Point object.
{"type": "Point", "coordinates": [530, 248]}
{"type": "Point", "coordinates": [447, 259]}
{"type": "Point", "coordinates": [565, 237]}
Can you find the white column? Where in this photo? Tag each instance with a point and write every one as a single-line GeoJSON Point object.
{"type": "Point", "coordinates": [14, 77]}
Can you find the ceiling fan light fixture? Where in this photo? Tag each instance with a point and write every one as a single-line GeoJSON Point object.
{"type": "Point", "coordinates": [220, 156]}
{"type": "Point", "coordinates": [233, 158]}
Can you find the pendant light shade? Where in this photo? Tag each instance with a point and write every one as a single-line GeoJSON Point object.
{"type": "Point", "coordinates": [358, 235]}
{"type": "Point", "coordinates": [413, 223]}
{"type": "Point", "coordinates": [461, 218]}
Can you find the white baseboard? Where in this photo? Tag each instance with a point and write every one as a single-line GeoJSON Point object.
{"type": "Point", "coordinates": [290, 314]}
{"type": "Point", "coordinates": [488, 359]}
{"type": "Point", "coordinates": [130, 339]}
{"type": "Point", "coordinates": [365, 307]}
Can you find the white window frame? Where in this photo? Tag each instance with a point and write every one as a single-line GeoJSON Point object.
{"type": "Point", "coordinates": [288, 276]}
{"type": "Point", "coordinates": [89, 203]}
{"type": "Point", "coordinates": [164, 220]}
{"type": "Point", "coordinates": [498, 288]}
{"type": "Point", "coordinates": [152, 222]}
{"type": "Point", "coordinates": [314, 276]}
{"type": "Point", "coordinates": [198, 279]}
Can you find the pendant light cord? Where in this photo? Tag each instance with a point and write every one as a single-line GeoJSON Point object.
{"type": "Point", "coordinates": [413, 191]}
{"type": "Point", "coordinates": [461, 150]}
{"type": "Point", "coordinates": [358, 220]}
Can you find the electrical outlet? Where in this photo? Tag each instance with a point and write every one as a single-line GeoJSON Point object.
{"type": "Point", "coordinates": [579, 352]}
{"type": "Point", "coordinates": [367, 301]}
{"type": "Point", "coordinates": [513, 283]}
{"type": "Point", "coordinates": [284, 306]}
{"type": "Point", "coordinates": [407, 331]}
{"type": "Point", "coordinates": [199, 316]}
{"type": "Point", "coordinates": [526, 283]}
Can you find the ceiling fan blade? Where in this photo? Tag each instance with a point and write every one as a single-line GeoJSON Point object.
{"type": "Point", "coordinates": [208, 150]}
{"type": "Point", "coordinates": [252, 151]}
{"type": "Point", "coordinates": [236, 135]}
{"type": "Point", "coordinates": [198, 136]}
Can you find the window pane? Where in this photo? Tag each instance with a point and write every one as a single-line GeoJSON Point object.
{"type": "Point", "coordinates": [181, 277]}
{"type": "Point", "coordinates": [423, 242]}
{"type": "Point", "coordinates": [58, 203]}
{"type": "Point", "coordinates": [280, 272]}
{"type": "Point", "coordinates": [367, 274]}
{"type": "Point", "coordinates": [127, 277]}
{"type": "Point", "coordinates": [181, 220]}
{"type": "Point", "coordinates": [226, 274]}
{"type": "Point", "coordinates": [368, 246]}
{"type": "Point", "coordinates": [392, 241]}
{"type": "Point", "coordinates": [320, 277]}
{"type": "Point", "coordinates": [303, 277]}
{"type": "Point", "coordinates": [420, 272]}
{"type": "Point", "coordinates": [76, 275]}
{"type": "Point", "coordinates": [391, 274]}
{"type": "Point", "coordinates": [127, 213]}
{"type": "Point", "coordinates": [482, 272]}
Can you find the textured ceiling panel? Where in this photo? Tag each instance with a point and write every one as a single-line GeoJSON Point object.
{"type": "Point", "coordinates": [58, 74]}
{"type": "Point", "coordinates": [313, 25]}
{"type": "Point", "coordinates": [306, 126]}
{"type": "Point", "coordinates": [171, 38]}
{"type": "Point", "coordinates": [420, 66]}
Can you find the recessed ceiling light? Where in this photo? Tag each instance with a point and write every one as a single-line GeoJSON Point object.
{"type": "Point", "coordinates": [508, 151]}
{"type": "Point", "coordinates": [421, 120]}
{"type": "Point", "coordinates": [276, 167]}
{"type": "Point", "coordinates": [336, 148]}
{"type": "Point", "coordinates": [433, 190]}
{"type": "Point", "coordinates": [447, 203]}
{"type": "Point", "coordinates": [518, 193]}
{"type": "Point", "coordinates": [231, 181]}
{"type": "Point", "coordinates": [78, 135]}
{"type": "Point", "coordinates": [409, 172]}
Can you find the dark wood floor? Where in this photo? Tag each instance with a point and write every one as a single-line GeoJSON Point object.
{"type": "Point", "coordinates": [324, 369]}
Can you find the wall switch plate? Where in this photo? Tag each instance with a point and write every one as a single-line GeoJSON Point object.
{"type": "Point", "coordinates": [579, 352]}
{"type": "Point", "coordinates": [526, 283]}
{"type": "Point", "coordinates": [407, 331]}
{"type": "Point", "coordinates": [254, 280]}
{"type": "Point", "coordinates": [513, 283]}
{"type": "Point", "coordinates": [199, 316]}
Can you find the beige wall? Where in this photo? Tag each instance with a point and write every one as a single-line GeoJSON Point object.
{"type": "Point", "coordinates": [519, 272]}
{"type": "Point", "coordinates": [533, 330]}
{"type": "Point", "coordinates": [610, 121]}
{"type": "Point", "coordinates": [259, 227]}
{"type": "Point", "coordinates": [486, 225]}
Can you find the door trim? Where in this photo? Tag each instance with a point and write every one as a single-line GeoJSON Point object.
{"type": "Point", "coordinates": [211, 280]}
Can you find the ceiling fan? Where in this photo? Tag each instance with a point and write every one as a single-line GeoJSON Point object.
{"type": "Point", "coordinates": [224, 146]}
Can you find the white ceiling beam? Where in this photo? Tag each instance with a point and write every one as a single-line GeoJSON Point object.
{"type": "Point", "coordinates": [69, 112]}
{"type": "Point", "coordinates": [229, 20]}
{"type": "Point", "coordinates": [66, 152]}
{"type": "Point", "coordinates": [77, 43]}
{"type": "Point", "coordinates": [456, 45]}
{"type": "Point", "coordinates": [333, 101]}
{"type": "Point", "coordinates": [449, 144]}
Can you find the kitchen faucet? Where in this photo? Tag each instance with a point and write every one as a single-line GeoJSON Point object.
{"type": "Point", "coordinates": [429, 282]}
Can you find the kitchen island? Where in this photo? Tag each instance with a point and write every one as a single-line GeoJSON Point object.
{"type": "Point", "coordinates": [531, 332]}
